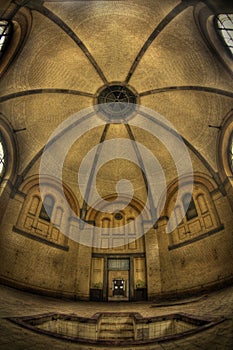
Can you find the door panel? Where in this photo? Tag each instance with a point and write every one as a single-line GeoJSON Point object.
{"type": "Point", "coordinates": [118, 284]}
{"type": "Point", "coordinates": [118, 287]}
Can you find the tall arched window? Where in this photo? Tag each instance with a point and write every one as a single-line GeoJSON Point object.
{"type": "Point", "coordinates": [196, 216]}
{"type": "Point", "coordinates": [230, 152]}
{"type": "Point", "coordinates": [2, 158]}
{"type": "Point", "coordinates": [43, 220]}
{"type": "Point", "coordinates": [47, 208]}
{"type": "Point", "coordinates": [217, 28]}
{"type": "Point", "coordinates": [225, 29]}
{"type": "Point", "coordinates": [6, 29]}
{"type": "Point", "coordinates": [189, 206]}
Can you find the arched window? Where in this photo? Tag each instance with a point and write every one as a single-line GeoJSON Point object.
{"type": "Point", "coordinates": [189, 206]}
{"type": "Point", "coordinates": [47, 208]}
{"type": "Point", "coordinates": [195, 216]}
{"type": "Point", "coordinates": [6, 29]}
{"type": "Point", "coordinates": [230, 152]}
{"type": "Point", "coordinates": [42, 219]}
{"type": "Point", "coordinates": [2, 158]}
{"type": "Point", "coordinates": [224, 24]}
{"type": "Point", "coordinates": [217, 28]}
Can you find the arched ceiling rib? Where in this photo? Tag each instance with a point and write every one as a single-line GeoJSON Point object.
{"type": "Point", "coordinates": [190, 87]}
{"type": "Point", "coordinates": [46, 12]}
{"type": "Point", "coordinates": [93, 167]}
{"type": "Point", "coordinates": [45, 91]}
{"type": "Point", "coordinates": [144, 93]}
{"type": "Point", "coordinates": [166, 20]}
{"type": "Point", "coordinates": [104, 134]}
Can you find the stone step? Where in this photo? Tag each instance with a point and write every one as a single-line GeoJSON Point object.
{"type": "Point", "coordinates": [116, 338]}
{"type": "Point", "coordinates": [127, 324]}
{"type": "Point", "coordinates": [117, 327]}
{"type": "Point", "coordinates": [107, 335]}
{"type": "Point", "coordinates": [116, 320]}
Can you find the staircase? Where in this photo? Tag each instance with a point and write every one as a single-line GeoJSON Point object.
{"type": "Point", "coordinates": [116, 328]}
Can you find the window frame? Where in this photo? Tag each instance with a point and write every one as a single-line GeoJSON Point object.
{"type": "Point", "coordinates": [205, 18]}
{"type": "Point", "coordinates": [191, 211]}
{"type": "Point", "coordinates": [8, 36]}
{"type": "Point", "coordinates": [219, 30]}
{"type": "Point", "coordinates": [230, 152]}
{"type": "Point", "coordinates": [3, 160]}
{"type": "Point", "coordinates": [46, 210]}
{"type": "Point", "coordinates": [21, 25]}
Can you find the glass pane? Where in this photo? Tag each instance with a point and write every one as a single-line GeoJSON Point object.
{"type": "Point", "coordinates": [48, 201]}
{"type": "Point", "coordinates": [1, 150]}
{"type": "Point", "coordinates": [2, 158]}
{"type": "Point", "coordinates": [2, 39]}
{"type": "Point", "coordinates": [47, 208]}
{"type": "Point", "coordinates": [231, 153]}
{"type": "Point", "coordinates": [118, 264]}
{"type": "Point", "coordinates": [189, 206]}
{"type": "Point", "coordinates": [5, 31]}
{"type": "Point", "coordinates": [225, 27]}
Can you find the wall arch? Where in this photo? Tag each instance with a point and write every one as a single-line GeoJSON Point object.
{"type": "Point", "coordinates": [123, 220]}
{"type": "Point", "coordinates": [205, 17]}
{"type": "Point", "coordinates": [223, 140]}
{"type": "Point", "coordinates": [11, 153]}
{"type": "Point", "coordinates": [21, 22]}
{"type": "Point", "coordinates": [198, 178]}
{"type": "Point", "coordinates": [35, 218]}
{"type": "Point", "coordinates": [193, 222]}
{"type": "Point", "coordinates": [33, 181]}
{"type": "Point", "coordinates": [11, 149]}
{"type": "Point", "coordinates": [135, 203]}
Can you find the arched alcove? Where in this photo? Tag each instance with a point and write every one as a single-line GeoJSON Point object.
{"type": "Point", "coordinates": [9, 168]}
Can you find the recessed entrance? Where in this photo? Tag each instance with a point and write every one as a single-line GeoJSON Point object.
{"type": "Point", "coordinates": [118, 278]}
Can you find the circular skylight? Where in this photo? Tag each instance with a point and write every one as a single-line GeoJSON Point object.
{"type": "Point", "coordinates": [117, 101]}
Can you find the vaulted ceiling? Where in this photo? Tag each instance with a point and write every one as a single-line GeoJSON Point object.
{"type": "Point", "coordinates": [74, 48]}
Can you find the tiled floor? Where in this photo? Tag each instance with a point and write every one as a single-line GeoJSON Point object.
{"type": "Point", "coordinates": [17, 303]}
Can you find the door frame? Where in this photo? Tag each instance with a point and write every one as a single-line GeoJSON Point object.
{"type": "Point", "coordinates": [130, 274]}
{"type": "Point", "coordinates": [130, 257]}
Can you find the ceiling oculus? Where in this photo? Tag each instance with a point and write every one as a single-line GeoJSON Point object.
{"type": "Point", "coordinates": [116, 101]}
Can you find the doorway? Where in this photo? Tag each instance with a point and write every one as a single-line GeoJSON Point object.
{"type": "Point", "coordinates": [118, 280]}
{"type": "Point", "coordinates": [118, 287]}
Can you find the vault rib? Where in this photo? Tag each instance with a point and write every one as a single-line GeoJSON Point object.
{"type": "Point", "coordinates": [60, 23]}
{"type": "Point", "coordinates": [188, 87]}
{"type": "Point", "coordinates": [44, 91]}
{"type": "Point", "coordinates": [191, 147]}
{"type": "Point", "coordinates": [93, 168]}
{"type": "Point", "coordinates": [165, 21]}
{"type": "Point", "coordinates": [143, 171]}
{"type": "Point", "coordinates": [23, 174]}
